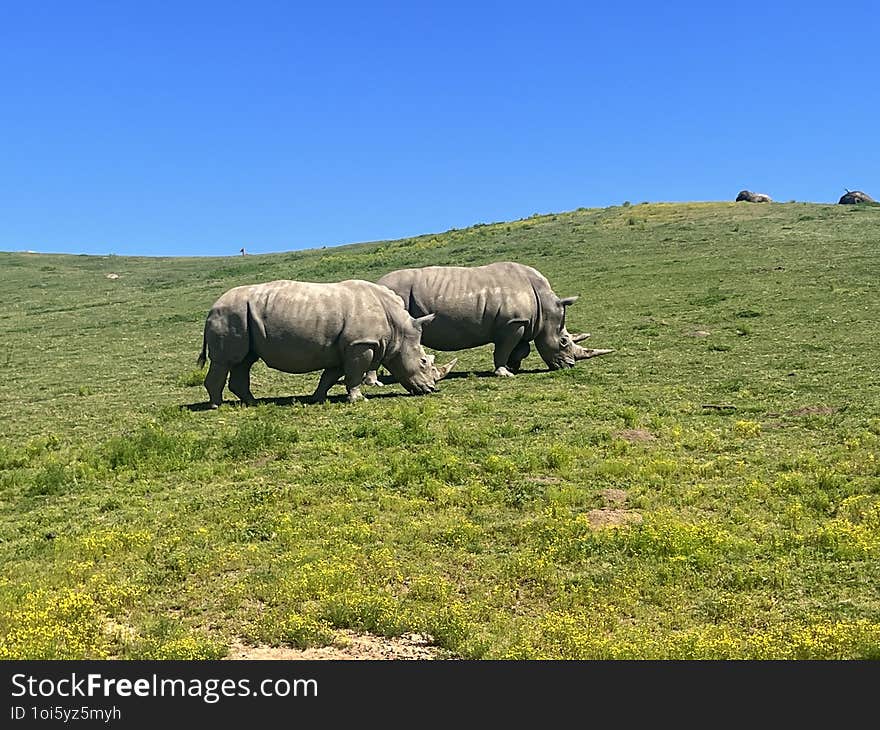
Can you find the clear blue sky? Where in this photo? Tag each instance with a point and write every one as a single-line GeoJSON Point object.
{"type": "Point", "coordinates": [195, 128]}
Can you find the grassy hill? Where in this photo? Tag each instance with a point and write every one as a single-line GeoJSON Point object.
{"type": "Point", "coordinates": [711, 489]}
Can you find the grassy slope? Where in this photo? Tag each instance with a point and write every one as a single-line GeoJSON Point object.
{"type": "Point", "coordinates": [132, 527]}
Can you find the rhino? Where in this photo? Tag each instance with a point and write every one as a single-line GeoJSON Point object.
{"type": "Point", "coordinates": [344, 329]}
{"type": "Point", "coordinates": [506, 304]}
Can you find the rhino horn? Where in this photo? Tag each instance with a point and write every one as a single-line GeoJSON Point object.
{"type": "Point", "coordinates": [443, 370]}
{"type": "Point", "coordinates": [422, 321]}
{"type": "Point", "coordinates": [582, 353]}
{"type": "Point", "coordinates": [579, 337]}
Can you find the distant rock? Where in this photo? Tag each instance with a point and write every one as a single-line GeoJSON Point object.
{"type": "Point", "coordinates": [751, 197]}
{"type": "Point", "coordinates": [851, 197]}
{"type": "Point", "coordinates": [112, 276]}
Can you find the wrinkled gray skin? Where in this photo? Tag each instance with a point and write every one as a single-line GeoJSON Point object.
{"type": "Point", "coordinates": [344, 329]}
{"type": "Point", "coordinates": [507, 304]}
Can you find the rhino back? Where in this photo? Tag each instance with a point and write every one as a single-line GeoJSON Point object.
{"type": "Point", "coordinates": [299, 326]}
{"type": "Point", "coordinates": [471, 304]}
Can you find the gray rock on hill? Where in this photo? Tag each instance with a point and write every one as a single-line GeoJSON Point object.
{"type": "Point", "coordinates": [851, 197]}
{"type": "Point", "coordinates": [750, 197]}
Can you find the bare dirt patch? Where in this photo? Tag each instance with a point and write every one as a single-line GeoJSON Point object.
{"type": "Point", "coordinates": [351, 646]}
{"type": "Point", "coordinates": [614, 497]}
{"type": "Point", "coordinates": [610, 517]}
{"type": "Point", "coordinates": [636, 435]}
{"type": "Point", "coordinates": [813, 411]}
{"type": "Point", "coordinates": [546, 480]}
{"type": "Point", "coordinates": [776, 424]}
{"type": "Point", "coordinates": [699, 333]}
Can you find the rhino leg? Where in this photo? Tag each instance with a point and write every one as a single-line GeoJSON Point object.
{"type": "Point", "coordinates": [509, 337]}
{"type": "Point", "coordinates": [215, 381]}
{"type": "Point", "coordinates": [520, 353]}
{"type": "Point", "coordinates": [358, 361]}
{"type": "Point", "coordinates": [372, 378]}
{"type": "Point", "coordinates": [240, 380]}
{"type": "Point", "coordinates": [328, 379]}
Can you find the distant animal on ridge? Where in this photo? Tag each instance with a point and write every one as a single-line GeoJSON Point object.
{"type": "Point", "coordinates": [750, 197]}
{"type": "Point", "coordinates": [854, 197]}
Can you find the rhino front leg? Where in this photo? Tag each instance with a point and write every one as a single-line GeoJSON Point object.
{"type": "Point", "coordinates": [372, 378]}
{"type": "Point", "coordinates": [240, 380]}
{"type": "Point", "coordinates": [505, 344]}
{"type": "Point", "coordinates": [520, 353]}
{"type": "Point", "coordinates": [358, 362]}
{"type": "Point", "coordinates": [215, 381]}
{"type": "Point", "coordinates": [328, 379]}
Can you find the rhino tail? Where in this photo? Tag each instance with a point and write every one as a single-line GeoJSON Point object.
{"type": "Point", "coordinates": [202, 359]}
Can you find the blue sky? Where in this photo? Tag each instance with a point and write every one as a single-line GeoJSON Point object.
{"type": "Point", "coordinates": [191, 128]}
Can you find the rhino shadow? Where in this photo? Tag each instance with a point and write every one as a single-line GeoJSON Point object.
{"type": "Point", "coordinates": [490, 374]}
{"type": "Point", "coordinates": [388, 379]}
{"type": "Point", "coordinates": [291, 399]}
{"type": "Point", "coordinates": [373, 392]}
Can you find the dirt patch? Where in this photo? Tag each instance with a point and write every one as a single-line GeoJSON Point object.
{"type": "Point", "coordinates": [699, 333]}
{"type": "Point", "coordinates": [613, 497]}
{"type": "Point", "coordinates": [351, 646]}
{"type": "Point", "coordinates": [813, 411]}
{"type": "Point", "coordinates": [776, 424]}
{"type": "Point", "coordinates": [546, 480]}
{"type": "Point", "coordinates": [609, 517]}
{"type": "Point", "coordinates": [636, 435]}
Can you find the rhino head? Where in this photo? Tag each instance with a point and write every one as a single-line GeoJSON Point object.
{"type": "Point", "coordinates": [555, 344]}
{"type": "Point", "coordinates": [410, 365]}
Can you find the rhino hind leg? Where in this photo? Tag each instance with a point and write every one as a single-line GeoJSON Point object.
{"type": "Point", "coordinates": [520, 353]}
{"type": "Point", "coordinates": [329, 378]}
{"type": "Point", "coordinates": [505, 344]}
{"type": "Point", "coordinates": [215, 381]}
{"type": "Point", "coordinates": [240, 380]}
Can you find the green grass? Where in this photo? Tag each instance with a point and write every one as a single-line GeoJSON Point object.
{"type": "Point", "coordinates": [133, 526]}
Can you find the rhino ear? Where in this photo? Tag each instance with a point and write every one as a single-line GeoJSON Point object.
{"type": "Point", "coordinates": [568, 301]}
{"type": "Point", "coordinates": [422, 321]}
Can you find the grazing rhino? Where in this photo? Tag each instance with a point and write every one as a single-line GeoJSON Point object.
{"type": "Point", "coordinates": [346, 329]}
{"type": "Point", "coordinates": [505, 303]}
